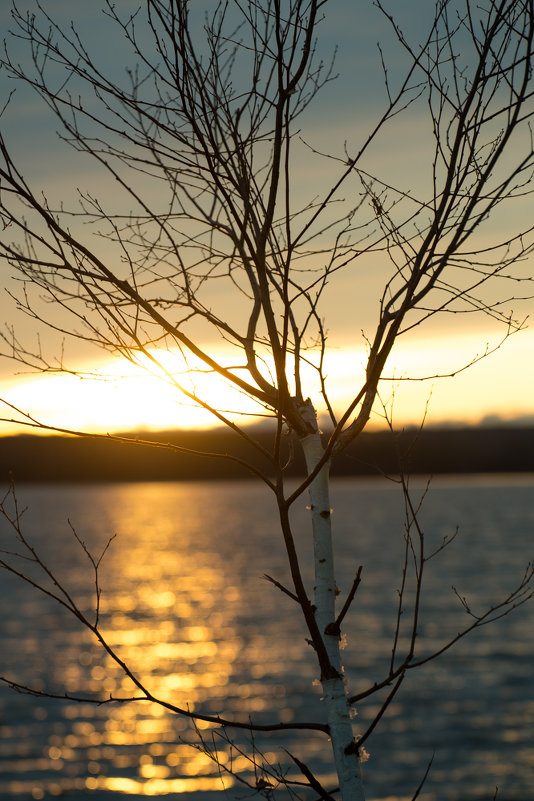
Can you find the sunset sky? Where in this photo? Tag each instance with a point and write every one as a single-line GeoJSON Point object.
{"type": "Point", "coordinates": [125, 398]}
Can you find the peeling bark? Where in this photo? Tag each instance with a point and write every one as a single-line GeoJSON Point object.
{"type": "Point", "coordinates": [334, 689]}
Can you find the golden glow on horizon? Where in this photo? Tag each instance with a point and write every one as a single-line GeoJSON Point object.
{"type": "Point", "coordinates": [127, 397]}
{"type": "Point", "coordinates": [119, 396]}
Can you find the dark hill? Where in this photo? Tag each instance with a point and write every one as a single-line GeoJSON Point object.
{"type": "Point", "coordinates": [434, 450]}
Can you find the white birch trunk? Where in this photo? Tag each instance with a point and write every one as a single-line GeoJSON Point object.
{"type": "Point", "coordinates": [334, 689]}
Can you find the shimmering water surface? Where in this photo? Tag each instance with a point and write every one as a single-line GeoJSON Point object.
{"type": "Point", "coordinates": [184, 603]}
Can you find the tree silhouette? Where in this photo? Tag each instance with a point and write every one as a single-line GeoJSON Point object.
{"type": "Point", "coordinates": [209, 243]}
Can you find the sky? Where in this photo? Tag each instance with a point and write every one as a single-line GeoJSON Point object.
{"type": "Point", "coordinates": [500, 385]}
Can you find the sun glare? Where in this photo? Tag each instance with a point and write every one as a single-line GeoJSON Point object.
{"type": "Point", "coordinates": [118, 396]}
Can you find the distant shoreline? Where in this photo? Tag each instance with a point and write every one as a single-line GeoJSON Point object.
{"type": "Point", "coordinates": [30, 458]}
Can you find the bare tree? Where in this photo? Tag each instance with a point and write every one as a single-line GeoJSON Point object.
{"type": "Point", "coordinates": [201, 139]}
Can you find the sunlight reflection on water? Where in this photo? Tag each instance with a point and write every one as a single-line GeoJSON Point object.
{"type": "Point", "coordinates": [184, 605]}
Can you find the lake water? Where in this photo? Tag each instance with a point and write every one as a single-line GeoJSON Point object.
{"type": "Point", "coordinates": [184, 603]}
